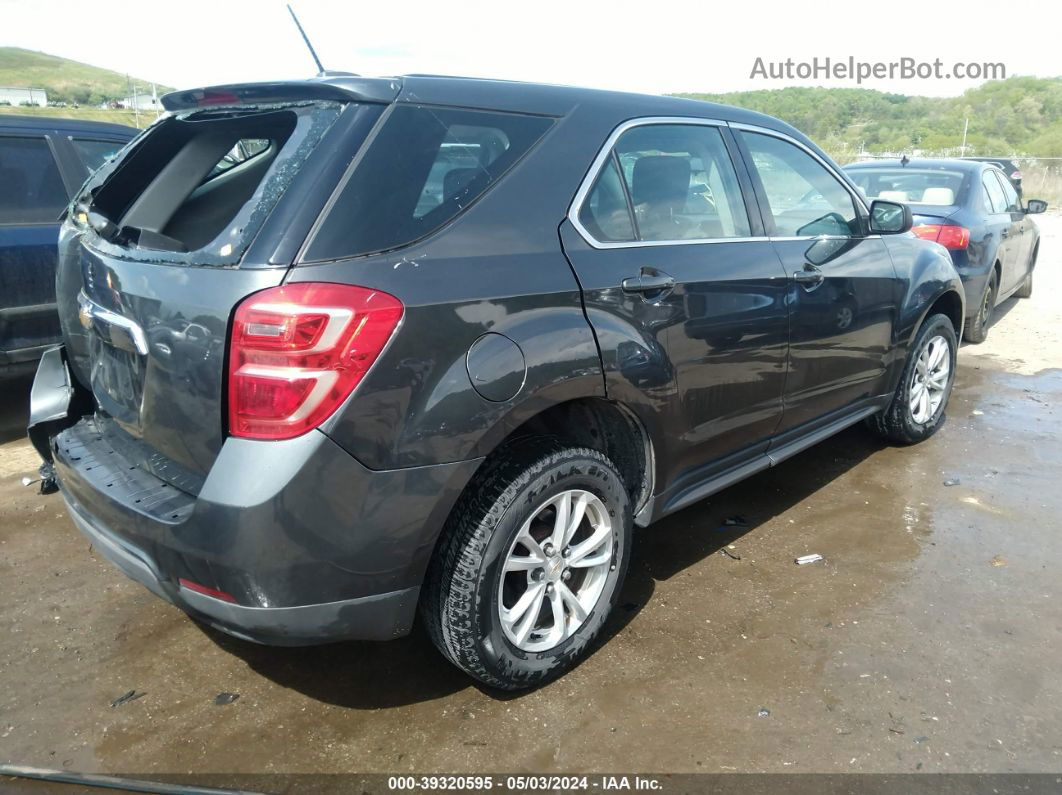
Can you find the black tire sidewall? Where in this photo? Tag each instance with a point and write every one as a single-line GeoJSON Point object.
{"type": "Point", "coordinates": [498, 655]}
{"type": "Point", "coordinates": [938, 325]}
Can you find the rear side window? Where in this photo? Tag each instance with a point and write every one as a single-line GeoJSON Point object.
{"type": "Point", "coordinates": [424, 166]}
{"type": "Point", "coordinates": [95, 153]}
{"type": "Point", "coordinates": [676, 179]}
{"type": "Point", "coordinates": [1010, 195]}
{"type": "Point", "coordinates": [31, 190]}
{"type": "Point", "coordinates": [994, 196]}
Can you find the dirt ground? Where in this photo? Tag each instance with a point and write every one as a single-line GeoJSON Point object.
{"type": "Point", "coordinates": [929, 638]}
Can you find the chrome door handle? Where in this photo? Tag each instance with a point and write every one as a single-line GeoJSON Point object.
{"type": "Point", "coordinates": [647, 283]}
{"type": "Point", "coordinates": [810, 276]}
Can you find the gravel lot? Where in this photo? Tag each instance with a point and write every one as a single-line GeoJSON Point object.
{"type": "Point", "coordinates": [928, 639]}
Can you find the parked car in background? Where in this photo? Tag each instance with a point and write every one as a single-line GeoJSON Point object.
{"type": "Point", "coordinates": [43, 162]}
{"type": "Point", "coordinates": [447, 341]}
{"type": "Point", "coordinates": [971, 209]}
{"type": "Point", "coordinates": [1005, 164]}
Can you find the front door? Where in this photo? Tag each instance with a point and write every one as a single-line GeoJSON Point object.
{"type": "Point", "coordinates": [684, 292]}
{"type": "Point", "coordinates": [841, 294]}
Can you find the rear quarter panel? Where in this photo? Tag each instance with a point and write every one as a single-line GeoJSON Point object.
{"type": "Point", "coordinates": [497, 268]}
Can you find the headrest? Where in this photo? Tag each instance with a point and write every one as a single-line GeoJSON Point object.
{"type": "Point", "coordinates": [938, 196]}
{"type": "Point", "coordinates": [661, 179]}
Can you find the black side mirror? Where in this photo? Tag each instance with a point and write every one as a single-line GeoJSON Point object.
{"type": "Point", "coordinates": [890, 218]}
{"type": "Point", "coordinates": [1034, 206]}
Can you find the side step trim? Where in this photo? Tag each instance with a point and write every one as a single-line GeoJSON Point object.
{"type": "Point", "coordinates": [761, 462]}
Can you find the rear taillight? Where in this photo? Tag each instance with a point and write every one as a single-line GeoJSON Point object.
{"type": "Point", "coordinates": [298, 351]}
{"type": "Point", "coordinates": [948, 236]}
{"type": "Point", "coordinates": [1016, 176]}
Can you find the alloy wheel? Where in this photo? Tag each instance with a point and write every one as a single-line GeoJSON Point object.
{"type": "Point", "coordinates": [929, 384]}
{"type": "Point", "coordinates": [555, 570]}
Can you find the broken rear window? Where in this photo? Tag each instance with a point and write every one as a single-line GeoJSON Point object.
{"type": "Point", "coordinates": [197, 187]}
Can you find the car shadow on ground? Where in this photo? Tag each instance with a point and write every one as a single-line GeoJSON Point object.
{"type": "Point", "coordinates": [363, 675]}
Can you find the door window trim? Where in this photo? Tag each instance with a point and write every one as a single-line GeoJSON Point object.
{"type": "Point", "coordinates": [859, 203]}
{"type": "Point", "coordinates": [601, 160]}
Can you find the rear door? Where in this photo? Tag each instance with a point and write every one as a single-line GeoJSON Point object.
{"type": "Point", "coordinates": [684, 292]}
{"type": "Point", "coordinates": [1018, 239]}
{"type": "Point", "coordinates": [841, 296]}
{"type": "Point", "coordinates": [32, 195]}
{"type": "Point", "coordinates": [1006, 225]}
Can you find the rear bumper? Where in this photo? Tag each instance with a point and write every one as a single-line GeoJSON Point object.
{"type": "Point", "coordinates": [310, 545]}
{"type": "Point", "coordinates": [377, 617]}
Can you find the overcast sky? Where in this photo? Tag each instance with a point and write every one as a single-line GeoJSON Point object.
{"type": "Point", "coordinates": [655, 47]}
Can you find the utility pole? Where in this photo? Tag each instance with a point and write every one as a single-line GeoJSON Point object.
{"type": "Point", "coordinates": [965, 129]}
{"type": "Point", "coordinates": [155, 101]}
{"type": "Point", "coordinates": [136, 107]}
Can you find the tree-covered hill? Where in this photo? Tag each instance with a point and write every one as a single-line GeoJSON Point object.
{"type": "Point", "coordinates": [1020, 115]}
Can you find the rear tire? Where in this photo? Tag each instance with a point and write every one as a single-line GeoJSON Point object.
{"type": "Point", "coordinates": [976, 329]}
{"type": "Point", "coordinates": [917, 407]}
{"type": "Point", "coordinates": [482, 570]}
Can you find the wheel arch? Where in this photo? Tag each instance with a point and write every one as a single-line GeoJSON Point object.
{"type": "Point", "coordinates": [949, 303]}
{"type": "Point", "coordinates": [595, 422]}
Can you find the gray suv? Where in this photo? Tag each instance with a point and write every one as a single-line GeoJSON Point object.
{"type": "Point", "coordinates": [339, 350]}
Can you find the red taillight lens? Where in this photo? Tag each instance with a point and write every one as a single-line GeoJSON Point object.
{"type": "Point", "coordinates": [298, 351]}
{"type": "Point", "coordinates": [948, 236]}
{"type": "Point", "coordinates": [1016, 176]}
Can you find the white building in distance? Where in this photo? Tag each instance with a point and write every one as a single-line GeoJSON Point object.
{"type": "Point", "coordinates": [16, 96]}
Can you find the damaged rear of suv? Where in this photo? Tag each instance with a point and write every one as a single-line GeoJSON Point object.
{"type": "Point", "coordinates": [339, 349]}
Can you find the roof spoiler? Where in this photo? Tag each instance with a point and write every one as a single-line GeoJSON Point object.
{"type": "Point", "coordinates": [328, 87]}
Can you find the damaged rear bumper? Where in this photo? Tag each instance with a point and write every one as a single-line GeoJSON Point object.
{"type": "Point", "coordinates": [377, 617]}
{"type": "Point", "coordinates": [298, 542]}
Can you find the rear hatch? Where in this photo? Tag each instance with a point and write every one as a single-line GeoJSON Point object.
{"type": "Point", "coordinates": [206, 208]}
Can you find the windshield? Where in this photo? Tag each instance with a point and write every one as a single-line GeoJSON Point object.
{"type": "Point", "coordinates": [914, 185]}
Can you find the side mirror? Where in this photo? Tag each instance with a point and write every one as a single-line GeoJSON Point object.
{"type": "Point", "coordinates": [890, 218]}
{"type": "Point", "coordinates": [1034, 206]}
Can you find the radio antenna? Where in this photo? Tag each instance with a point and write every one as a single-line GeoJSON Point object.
{"type": "Point", "coordinates": [305, 38]}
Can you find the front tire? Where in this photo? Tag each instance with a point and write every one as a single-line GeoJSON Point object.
{"type": "Point", "coordinates": [530, 565]}
{"type": "Point", "coordinates": [917, 407]}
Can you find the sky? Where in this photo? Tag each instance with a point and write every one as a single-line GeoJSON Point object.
{"type": "Point", "coordinates": [660, 47]}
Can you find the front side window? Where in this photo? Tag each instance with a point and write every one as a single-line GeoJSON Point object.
{"type": "Point", "coordinates": [31, 190]}
{"type": "Point", "coordinates": [805, 199]}
{"type": "Point", "coordinates": [422, 169]}
{"type": "Point", "coordinates": [995, 199]}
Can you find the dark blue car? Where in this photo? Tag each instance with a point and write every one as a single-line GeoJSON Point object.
{"type": "Point", "coordinates": [43, 161]}
{"type": "Point", "coordinates": [972, 210]}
